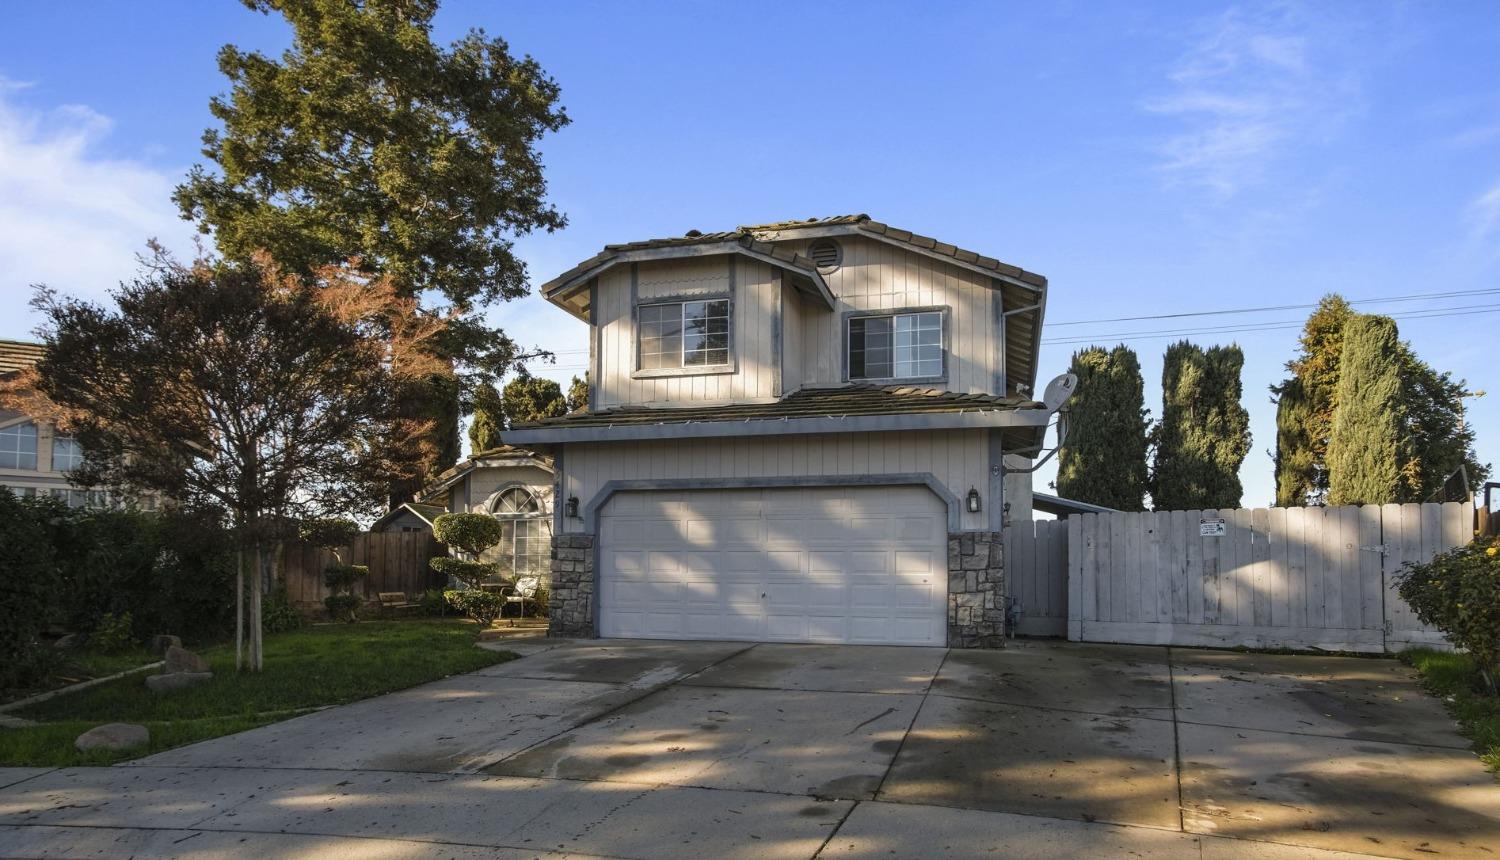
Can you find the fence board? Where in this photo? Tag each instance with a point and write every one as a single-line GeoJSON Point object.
{"type": "Point", "coordinates": [1303, 577]}
{"type": "Point", "coordinates": [1036, 564]}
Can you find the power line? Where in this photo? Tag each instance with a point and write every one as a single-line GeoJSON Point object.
{"type": "Point", "coordinates": [1408, 298]}
{"type": "Point", "coordinates": [1249, 326]}
{"type": "Point", "coordinates": [1259, 328]}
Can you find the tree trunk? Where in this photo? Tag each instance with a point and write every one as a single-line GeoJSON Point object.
{"type": "Point", "coordinates": [255, 621]}
{"type": "Point", "coordinates": [239, 609]}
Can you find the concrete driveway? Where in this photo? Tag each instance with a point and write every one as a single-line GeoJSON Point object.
{"type": "Point", "coordinates": [664, 750]}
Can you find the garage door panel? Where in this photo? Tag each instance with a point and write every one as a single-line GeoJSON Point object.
{"type": "Point", "coordinates": [788, 564]}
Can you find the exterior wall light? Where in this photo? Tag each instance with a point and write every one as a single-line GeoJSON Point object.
{"type": "Point", "coordinates": [973, 503]}
{"type": "Point", "coordinates": [572, 506]}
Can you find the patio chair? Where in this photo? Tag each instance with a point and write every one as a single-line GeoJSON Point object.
{"type": "Point", "coordinates": [524, 590]}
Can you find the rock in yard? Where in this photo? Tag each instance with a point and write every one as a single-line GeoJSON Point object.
{"type": "Point", "coordinates": [70, 640]}
{"type": "Point", "coordinates": [160, 643]}
{"type": "Point", "coordinates": [179, 659]}
{"type": "Point", "coordinates": [173, 681]}
{"type": "Point", "coordinates": [113, 736]}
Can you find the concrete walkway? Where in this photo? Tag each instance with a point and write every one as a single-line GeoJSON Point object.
{"type": "Point", "coordinates": [662, 750]}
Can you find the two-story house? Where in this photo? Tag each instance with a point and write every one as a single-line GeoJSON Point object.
{"type": "Point", "coordinates": [795, 433]}
{"type": "Point", "coordinates": [35, 457]}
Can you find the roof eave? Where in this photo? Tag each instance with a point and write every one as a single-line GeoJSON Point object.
{"type": "Point", "coordinates": [891, 422]}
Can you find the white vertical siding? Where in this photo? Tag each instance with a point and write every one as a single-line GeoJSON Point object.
{"type": "Point", "coordinates": [958, 459]}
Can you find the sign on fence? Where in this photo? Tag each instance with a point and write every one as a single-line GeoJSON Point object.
{"type": "Point", "coordinates": [1316, 578]}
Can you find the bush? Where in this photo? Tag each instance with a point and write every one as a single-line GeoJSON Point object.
{"type": "Point", "coordinates": [470, 573]}
{"type": "Point", "coordinates": [1458, 592]}
{"type": "Point", "coordinates": [343, 603]}
{"type": "Point", "coordinates": [277, 614]}
{"type": "Point", "coordinates": [431, 602]}
{"type": "Point", "coordinates": [469, 533]}
{"type": "Point", "coordinates": [28, 578]}
{"type": "Point", "coordinates": [113, 634]}
{"type": "Point", "coordinates": [482, 606]}
{"type": "Point", "coordinates": [329, 533]}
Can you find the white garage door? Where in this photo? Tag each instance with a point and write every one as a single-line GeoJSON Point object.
{"type": "Point", "coordinates": [825, 564]}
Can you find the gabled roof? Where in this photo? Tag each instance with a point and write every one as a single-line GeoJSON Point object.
{"type": "Point", "coordinates": [1023, 293]}
{"type": "Point", "coordinates": [849, 408]}
{"type": "Point", "coordinates": [505, 455]}
{"type": "Point", "coordinates": [568, 290]}
{"type": "Point", "coordinates": [18, 355]}
{"type": "Point", "coordinates": [425, 513]}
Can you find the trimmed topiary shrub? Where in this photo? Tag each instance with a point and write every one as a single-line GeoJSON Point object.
{"type": "Point", "coordinates": [1458, 592]}
{"type": "Point", "coordinates": [471, 534]}
{"type": "Point", "coordinates": [343, 603]}
{"type": "Point", "coordinates": [482, 606]}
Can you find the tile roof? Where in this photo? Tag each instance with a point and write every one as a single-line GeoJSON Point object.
{"type": "Point", "coordinates": [17, 355]}
{"type": "Point", "coordinates": [806, 403]}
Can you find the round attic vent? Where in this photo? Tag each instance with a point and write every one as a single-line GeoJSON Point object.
{"type": "Point", "coordinates": [826, 254]}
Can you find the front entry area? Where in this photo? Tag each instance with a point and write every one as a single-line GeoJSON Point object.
{"type": "Point", "coordinates": [865, 565]}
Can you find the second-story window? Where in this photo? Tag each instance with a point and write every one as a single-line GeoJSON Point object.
{"type": "Point", "coordinates": [898, 346]}
{"type": "Point", "coordinates": [67, 455]}
{"type": "Point", "coordinates": [684, 334]}
{"type": "Point", "coordinates": [18, 446]}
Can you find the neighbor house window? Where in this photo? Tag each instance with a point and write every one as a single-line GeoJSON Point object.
{"type": "Point", "coordinates": [66, 454]}
{"type": "Point", "coordinates": [898, 346]}
{"type": "Point", "coordinates": [525, 541]}
{"type": "Point", "coordinates": [18, 446]}
{"type": "Point", "coordinates": [684, 334]}
{"type": "Point", "coordinates": [75, 498]}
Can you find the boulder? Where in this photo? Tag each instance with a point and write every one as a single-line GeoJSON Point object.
{"type": "Point", "coordinates": [161, 642]}
{"type": "Point", "coordinates": [173, 681]}
{"type": "Point", "coordinates": [70, 640]}
{"type": "Point", "coordinates": [113, 736]}
{"type": "Point", "coordinates": [179, 659]}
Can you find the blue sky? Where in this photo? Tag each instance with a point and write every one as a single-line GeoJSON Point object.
{"type": "Point", "coordinates": [1147, 158]}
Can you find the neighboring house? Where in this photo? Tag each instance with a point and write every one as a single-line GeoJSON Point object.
{"type": "Point", "coordinates": [35, 457]}
{"type": "Point", "coordinates": [510, 484]}
{"type": "Point", "coordinates": [796, 433]}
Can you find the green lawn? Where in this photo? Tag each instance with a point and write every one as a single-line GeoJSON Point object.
{"type": "Point", "coordinates": [1453, 678]}
{"type": "Point", "coordinates": [306, 669]}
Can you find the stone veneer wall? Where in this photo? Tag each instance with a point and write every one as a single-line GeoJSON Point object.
{"type": "Point", "coordinates": [976, 590]}
{"type": "Point", "coordinates": [570, 604]}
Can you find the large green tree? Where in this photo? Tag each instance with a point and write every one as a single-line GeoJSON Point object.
{"type": "Point", "coordinates": [1306, 421]}
{"type": "Point", "coordinates": [1204, 432]}
{"type": "Point", "coordinates": [367, 144]}
{"type": "Point", "coordinates": [1442, 442]}
{"type": "Point", "coordinates": [528, 398]}
{"type": "Point", "coordinates": [1369, 444]}
{"type": "Point", "coordinates": [1103, 459]}
{"type": "Point", "coordinates": [578, 393]}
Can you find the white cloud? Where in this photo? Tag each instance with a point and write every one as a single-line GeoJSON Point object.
{"type": "Point", "coordinates": [1250, 87]}
{"type": "Point", "coordinates": [71, 216]}
{"type": "Point", "coordinates": [1484, 214]}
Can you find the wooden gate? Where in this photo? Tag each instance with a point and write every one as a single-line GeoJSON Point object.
{"type": "Point", "coordinates": [1320, 578]}
{"type": "Point", "coordinates": [1036, 575]}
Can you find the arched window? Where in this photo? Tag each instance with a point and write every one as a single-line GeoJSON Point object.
{"type": "Point", "coordinates": [525, 534]}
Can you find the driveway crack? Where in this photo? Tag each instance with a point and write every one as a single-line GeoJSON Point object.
{"type": "Point", "coordinates": [1176, 742]}
{"type": "Point", "coordinates": [916, 712]}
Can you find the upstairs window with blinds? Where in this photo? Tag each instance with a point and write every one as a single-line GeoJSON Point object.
{"type": "Point", "coordinates": [684, 334]}
{"type": "Point", "coordinates": [898, 346]}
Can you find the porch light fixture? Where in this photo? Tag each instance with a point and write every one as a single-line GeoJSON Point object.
{"type": "Point", "coordinates": [572, 506]}
{"type": "Point", "coordinates": [973, 504]}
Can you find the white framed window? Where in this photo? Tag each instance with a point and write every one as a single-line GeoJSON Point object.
{"type": "Point", "coordinates": [18, 446]}
{"type": "Point", "coordinates": [525, 534]}
{"type": "Point", "coordinates": [75, 498]}
{"type": "Point", "coordinates": [684, 334]}
{"type": "Point", "coordinates": [67, 454]}
{"type": "Point", "coordinates": [896, 346]}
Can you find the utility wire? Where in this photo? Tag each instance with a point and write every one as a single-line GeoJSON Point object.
{"type": "Point", "coordinates": [1408, 298]}
{"type": "Point", "coordinates": [1277, 327]}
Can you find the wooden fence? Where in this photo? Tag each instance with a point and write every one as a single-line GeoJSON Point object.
{"type": "Point", "coordinates": [397, 562]}
{"type": "Point", "coordinates": [1268, 577]}
{"type": "Point", "coordinates": [1036, 569]}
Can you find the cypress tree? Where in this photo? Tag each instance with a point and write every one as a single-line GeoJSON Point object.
{"type": "Point", "coordinates": [489, 418]}
{"type": "Point", "coordinates": [1204, 433]}
{"type": "Point", "coordinates": [1369, 444]}
{"type": "Point", "coordinates": [1305, 423]}
{"type": "Point", "coordinates": [1295, 464]}
{"type": "Point", "coordinates": [1103, 459]}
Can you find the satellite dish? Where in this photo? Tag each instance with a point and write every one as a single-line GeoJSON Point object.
{"type": "Point", "coordinates": [1059, 390]}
